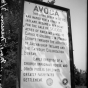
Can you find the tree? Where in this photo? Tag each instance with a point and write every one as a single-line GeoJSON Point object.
{"type": "Point", "coordinates": [83, 77]}
{"type": "Point", "coordinates": [51, 2]}
{"type": "Point", "coordinates": [77, 76]}
{"type": "Point", "coordinates": [80, 77]}
{"type": "Point", "coordinates": [11, 25]}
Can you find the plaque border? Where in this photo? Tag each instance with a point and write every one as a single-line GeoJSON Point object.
{"type": "Point", "coordinates": [69, 37]}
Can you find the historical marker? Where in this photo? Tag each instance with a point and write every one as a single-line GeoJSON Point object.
{"type": "Point", "coordinates": [45, 57]}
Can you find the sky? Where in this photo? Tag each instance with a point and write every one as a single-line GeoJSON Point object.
{"type": "Point", "coordinates": [78, 13]}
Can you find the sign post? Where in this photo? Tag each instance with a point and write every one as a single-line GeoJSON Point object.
{"type": "Point", "coordinates": [46, 57]}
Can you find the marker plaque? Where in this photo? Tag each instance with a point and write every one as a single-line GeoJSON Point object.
{"type": "Point", "coordinates": [45, 57]}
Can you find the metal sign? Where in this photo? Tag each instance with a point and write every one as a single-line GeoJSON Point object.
{"type": "Point", "coordinates": [45, 57]}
